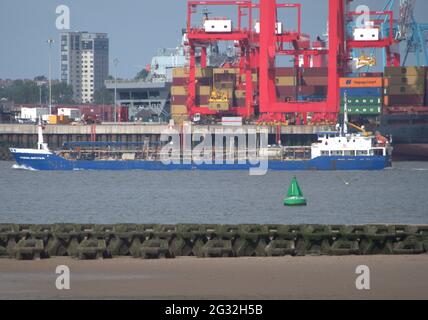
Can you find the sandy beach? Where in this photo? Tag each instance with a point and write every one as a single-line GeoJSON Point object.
{"type": "Point", "coordinates": [391, 277]}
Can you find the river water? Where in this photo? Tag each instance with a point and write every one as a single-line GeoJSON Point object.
{"type": "Point", "coordinates": [396, 195]}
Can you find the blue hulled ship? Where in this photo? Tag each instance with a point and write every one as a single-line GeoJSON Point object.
{"type": "Point", "coordinates": [333, 151]}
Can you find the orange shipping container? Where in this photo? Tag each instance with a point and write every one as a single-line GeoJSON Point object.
{"type": "Point", "coordinates": [53, 119]}
{"type": "Point", "coordinates": [361, 82]}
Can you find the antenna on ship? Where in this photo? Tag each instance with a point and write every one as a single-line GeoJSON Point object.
{"type": "Point", "coordinates": [345, 115]}
{"type": "Point", "coordinates": [206, 13]}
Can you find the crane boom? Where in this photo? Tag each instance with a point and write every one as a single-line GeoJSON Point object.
{"type": "Point", "coordinates": [405, 19]}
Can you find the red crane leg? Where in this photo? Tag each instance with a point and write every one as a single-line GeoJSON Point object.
{"type": "Point", "coordinates": [191, 94]}
{"type": "Point", "coordinates": [249, 86]}
{"type": "Point", "coordinates": [267, 53]}
{"type": "Point", "coordinates": [204, 57]}
{"type": "Point", "coordinates": [336, 51]}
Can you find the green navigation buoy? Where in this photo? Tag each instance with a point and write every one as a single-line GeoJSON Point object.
{"type": "Point", "coordinates": [295, 195]}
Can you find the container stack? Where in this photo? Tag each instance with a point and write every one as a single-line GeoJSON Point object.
{"type": "Point", "coordinates": [301, 85]}
{"type": "Point", "coordinates": [240, 95]}
{"type": "Point", "coordinates": [239, 98]}
{"type": "Point", "coordinates": [179, 91]}
{"type": "Point", "coordinates": [364, 95]}
{"type": "Point", "coordinates": [224, 84]}
{"type": "Point", "coordinates": [405, 87]}
{"type": "Point", "coordinates": [426, 87]}
{"type": "Point", "coordinates": [286, 84]}
{"type": "Point", "coordinates": [313, 84]}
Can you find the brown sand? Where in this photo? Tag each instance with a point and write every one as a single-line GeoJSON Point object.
{"type": "Point", "coordinates": [392, 277]}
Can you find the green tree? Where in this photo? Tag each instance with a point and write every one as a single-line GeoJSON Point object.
{"type": "Point", "coordinates": [103, 96]}
{"type": "Point", "coordinates": [28, 92]}
{"type": "Point", "coordinates": [62, 93]}
{"type": "Point", "coordinates": [21, 91]}
{"type": "Point", "coordinates": [40, 78]}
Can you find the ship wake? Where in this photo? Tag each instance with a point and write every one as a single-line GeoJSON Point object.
{"type": "Point", "coordinates": [23, 167]}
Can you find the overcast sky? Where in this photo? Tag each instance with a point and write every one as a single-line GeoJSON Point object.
{"type": "Point", "coordinates": [136, 29]}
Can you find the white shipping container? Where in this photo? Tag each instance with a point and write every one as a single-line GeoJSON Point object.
{"type": "Point", "coordinates": [278, 29]}
{"type": "Point", "coordinates": [73, 114]}
{"type": "Point", "coordinates": [218, 26]}
{"type": "Point", "coordinates": [366, 34]}
{"type": "Point", "coordinates": [231, 121]}
{"type": "Point", "coordinates": [33, 113]}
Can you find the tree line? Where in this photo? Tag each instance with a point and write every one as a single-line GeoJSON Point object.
{"type": "Point", "coordinates": [37, 90]}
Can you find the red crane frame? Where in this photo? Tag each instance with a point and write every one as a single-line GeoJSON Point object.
{"type": "Point", "coordinates": [383, 43]}
{"type": "Point", "coordinates": [198, 38]}
{"type": "Point", "coordinates": [269, 107]}
{"type": "Point", "coordinates": [260, 50]}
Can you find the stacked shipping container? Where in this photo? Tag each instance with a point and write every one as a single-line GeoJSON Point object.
{"type": "Point", "coordinates": [179, 91]}
{"type": "Point", "coordinates": [286, 84]}
{"type": "Point", "coordinates": [221, 83]}
{"type": "Point", "coordinates": [364, 95]}
{"type": "Point", "coordinates": [224, 84]}
{"type": "Point", "coordinates": [368, 94]}
{"type": "Point", "coordinates": [312, 84]}
{"type": "Point", "coordinates": [301, 84]}
{"type": "Point", "coordinates": [405, 87]}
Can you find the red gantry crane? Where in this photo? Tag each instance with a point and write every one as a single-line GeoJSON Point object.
{"type": "Point", "coordinates": [260, 45]}
{"type": "Point", "coordinates": [273, 111]}
{"type": "Point", "coordinates": [200, 37]}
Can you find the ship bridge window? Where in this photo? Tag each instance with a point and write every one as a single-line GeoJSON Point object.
{"type": "Point", "coordinates": [336, 152]}
{"type": "Point", "coordinates": [376, 152]}
{"type": "Point", "coordinates": [154, 94]}
{"type": "Point", "coordinates": [362, 153]}
{"type": "Point", "coordinates": [140, 95]}
{"type": "Point", "coordinates": [325, 153]}
{"type": "Point", "coordinates": [350, 153]}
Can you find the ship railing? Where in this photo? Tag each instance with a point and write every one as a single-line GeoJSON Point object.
{"type": "Point", "coordinates": [297, 153]}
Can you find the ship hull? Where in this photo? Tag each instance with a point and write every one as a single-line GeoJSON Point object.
{"type": "Point", "coordinates": [409, 134]}
{"type": "Point", "coordinates": [51, 161]}
{"type": "Point", "coordinates": [411, 152]}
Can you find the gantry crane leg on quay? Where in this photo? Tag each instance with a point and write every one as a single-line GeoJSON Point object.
{"type": "Point", "coordinates": [260, 46]}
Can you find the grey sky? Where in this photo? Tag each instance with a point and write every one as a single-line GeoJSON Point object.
{"type": "Point", "coordinates": [136, 29]}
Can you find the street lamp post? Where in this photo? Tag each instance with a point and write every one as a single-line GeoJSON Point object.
{"type": "Point", "coordinates": [115, 62]}
{"type": "Point", "coordinates": [50, 43]}
{"type": "Point", "coordinates": [40, 84]}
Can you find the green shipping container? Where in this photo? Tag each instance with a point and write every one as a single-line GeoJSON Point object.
{"type": "Point", "coordinates": [363, 110]}
{"type": "Point", "coordinates": [365, 101]}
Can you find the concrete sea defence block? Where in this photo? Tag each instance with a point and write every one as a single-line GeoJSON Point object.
{"type": "Point", "coordinates": [90, 241]}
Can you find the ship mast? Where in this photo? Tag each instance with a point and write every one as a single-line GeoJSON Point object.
{"type": "Point", "coordinates": [345, 115]}
{"type": "Point", "coordinates": [40, 143]}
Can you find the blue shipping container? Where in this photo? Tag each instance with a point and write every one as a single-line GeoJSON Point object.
{"type": "Point", "coordinates": [311, 98]}
{"type": "Point", "coordinates": [362, 92]}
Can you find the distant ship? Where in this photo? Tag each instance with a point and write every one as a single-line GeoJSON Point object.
{"type": "Point", "coordinates": [409, 134]}
{"type": "Point", "coordinates": [333, 151]}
